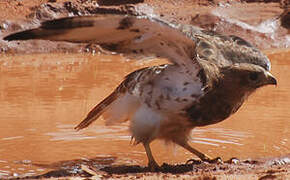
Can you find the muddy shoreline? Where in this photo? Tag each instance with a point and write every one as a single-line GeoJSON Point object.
{"type": "Point", "coordinates": [104, 168]}
{"type": "Point", "coordinates": [261, 23]}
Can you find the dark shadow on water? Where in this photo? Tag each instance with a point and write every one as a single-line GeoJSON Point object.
{"type": "Point", "coordinates": [111, 170]}
{"type": "Point", "coordinates": [165, 168]}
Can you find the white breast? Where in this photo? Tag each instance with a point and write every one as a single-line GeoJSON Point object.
{"type": "Point", "coordinates": [172, 91]}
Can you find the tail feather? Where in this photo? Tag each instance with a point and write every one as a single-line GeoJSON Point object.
{"type": "Point", "coordinates": [97, 111]}
{"type": "Point", "coordinates": [118, 106]}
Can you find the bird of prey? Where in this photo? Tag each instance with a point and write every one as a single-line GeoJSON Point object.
{"type": "Point", "coordinates": [207, 78]}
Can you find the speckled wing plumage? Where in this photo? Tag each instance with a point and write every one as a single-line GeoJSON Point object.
{"type": "Point", "coordinates": [145, 37]}
{"type": "Point", "coordinates": [138, 37]}
{"type": "Point", "coordinates": [224, 50]}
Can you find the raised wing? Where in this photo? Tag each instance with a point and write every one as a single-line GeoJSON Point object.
{"type": "Point", "coordinates": [132, 35]}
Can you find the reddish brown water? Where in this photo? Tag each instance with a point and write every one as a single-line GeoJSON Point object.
{"type": "Point", "coordinates": [42, 97]}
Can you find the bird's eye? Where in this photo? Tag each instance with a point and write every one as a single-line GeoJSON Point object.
{"type": "Point", "coordinates": [253, 76]}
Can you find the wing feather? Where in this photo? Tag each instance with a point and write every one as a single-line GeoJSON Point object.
{"type": "Point", "coordinates": [137, 36]}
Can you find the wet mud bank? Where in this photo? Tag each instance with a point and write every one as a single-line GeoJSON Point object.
{"type": "Point", "coordinates": [263, 24]}
{"type": "Point", "coordinates": [104, 168]}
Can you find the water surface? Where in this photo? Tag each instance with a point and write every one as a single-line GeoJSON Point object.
{"type": "Point", "coordinates": [43, 96]}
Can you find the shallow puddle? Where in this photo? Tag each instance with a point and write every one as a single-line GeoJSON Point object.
{"type": "Point", "coordinates": [43, 96]}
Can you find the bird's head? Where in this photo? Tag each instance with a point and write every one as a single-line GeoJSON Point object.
{"type": "Point", "coordinates": [247, 76]}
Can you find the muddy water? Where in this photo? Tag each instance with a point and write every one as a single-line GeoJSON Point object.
{"type": "Point", "coordinates": [42, 97]}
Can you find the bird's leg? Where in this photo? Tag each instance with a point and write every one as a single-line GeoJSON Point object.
{"type": "Point", "coordinates": [201, 155]}
{"type": "Point", "coordinates": [152, 165]}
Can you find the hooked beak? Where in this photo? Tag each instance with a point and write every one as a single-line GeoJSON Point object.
{"type": "Point", "coordinates": [271, 79]}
